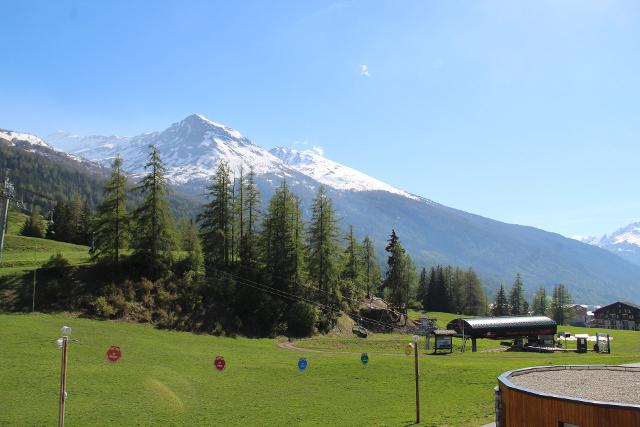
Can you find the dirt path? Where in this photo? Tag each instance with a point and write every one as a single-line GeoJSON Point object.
{"type": "Point", "coordinates": [289, 346]}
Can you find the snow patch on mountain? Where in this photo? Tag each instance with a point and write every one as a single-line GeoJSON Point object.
{"type": "Point", "coordinates": [624, 242]}
{"type": "Point", "coordinates": [13, 137]}
{"type": "Point", "coordinates": [193, 147]}
{"type": "Point", "coordinates": [629, 235]}
{"type": "Point", "coordinates": [191, 150]}
{"type": "Point", "coordinates": [333, 174]}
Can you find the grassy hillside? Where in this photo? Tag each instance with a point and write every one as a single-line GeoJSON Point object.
{"type": "Point", "coordinates": [27, 253]}
{"type": "Point", "coordinates": [167, 378]}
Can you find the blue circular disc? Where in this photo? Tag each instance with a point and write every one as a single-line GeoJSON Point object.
{"type": "Point", "coordinates": [302, 364]}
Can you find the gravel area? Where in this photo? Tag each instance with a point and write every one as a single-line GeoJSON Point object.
{"type": "Point", "coordinates": [604, 385]}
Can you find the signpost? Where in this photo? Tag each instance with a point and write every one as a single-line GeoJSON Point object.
{"type": "Point", "coordinates": [114, 354]}
{"type": "Point", "coordinates": [302, 364]}
{"type": "Point", "coordinates": [415, 346]}
{"type": "Point", "coordinates": [364, 358]}
{"type": "Point", "coordinates": [408, 349]}
{"type": "Point", "coordinates": [64, 343]}
{"type": "Point", "coordinates": [219, 363]}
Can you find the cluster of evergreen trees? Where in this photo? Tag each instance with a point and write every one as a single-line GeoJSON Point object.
{"type": "Point", "coordinates": [40, 180]}
{"type": "Point", "coordinates": [69, 222]}
{"type": "Point", "coordinates": [239, 268]}
{"type": "Point", "coordinates": [255, 272]}
{"type": "Point", "coordinates": [515, 304]}
{"type": "Point", "coordinates": [451, 289]}
{"type": "Point", "coordinates": [274, 271]}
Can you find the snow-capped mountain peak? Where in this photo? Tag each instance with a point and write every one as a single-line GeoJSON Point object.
{"type": "Point", "coordinates": [190, 148]}
{"type": "Point", "coordinates": [12, 137]}
{"type": "Point", "coordinates": [624, 242]}
{"type": "Point", "coordinates": [332, 174]}
{"type": "Point", "coordinates": [193, 147]}
{"type": "Point", "coordinates": [626, 235]}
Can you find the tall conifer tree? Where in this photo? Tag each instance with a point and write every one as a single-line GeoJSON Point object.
{"type": "Point", "coordinates": [111, 223]}
{"type": "Point", "coordinates": [323, 256]}
{"type": "Point", "coordinates": [539, 304]}
{"type": "Point", "coordinates": [370, 268]}
{"type": "Point", "coordinates": [423, 288]}
{"type": "Point", "coordinates": [215, 221]}
{"type": "Point", "coordinates": [473, 296]}
{"type": "Point", "coordinates": [517, 304]}
{"type": "Point", "coordinates": [560, 305]}
{"type": "Point", "coordinates": [400, 273]}
{"type": "Point", "coordinates": [501, 304]}
{"type": "Point", "coordinates": [353, 287]}
{"type": "Point", "coordinates": [154, 227]}
{"type": "Point", "coordinates": [250, 200]}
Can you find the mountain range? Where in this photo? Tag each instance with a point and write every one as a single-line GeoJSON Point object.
{"type": "Point", "coordinates": [624, 242]}
{"type": "Point", "coordinates": [432, 233]}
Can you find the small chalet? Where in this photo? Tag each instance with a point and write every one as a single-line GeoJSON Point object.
{"type": "Point", "coordinates": [619, 315]}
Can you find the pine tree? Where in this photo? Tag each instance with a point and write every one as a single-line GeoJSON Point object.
{"type": "Point", "coordinates": [455, 289]}
{"type": "Point", "coordinates": [84, 228]}
{"type": "Point", "coordinates": [400, 273]}
{"type": "Point", "coordinates": [250, 200]}
{"type": "Point", "coordinates": [560, 304]}
{"type": "Point", "coordinates": [501, 304]}
{"type": "Point", "coordinates": [111, 223]}
{"type": "Point", "coordinates": [516, 298]}
{"type": "Point", "coordinates": [32, 226]}
{"type": "Point", "coordinates": [190, 243]}
{"type": "Point", "coordinates": [323, 256]}
{"type": "Point", "coordinates": [154, 227]}
{"type": "Point", "coordinates": [60, 227]}
{"type": "Point", "coordinates": [371, 268]}
{"type": "Point", "coordinates": [215, 222]}
{"type": "Point", "coordinates": [352, 278]}
{"type": "Point", "coordinates": [474, 298]}
{"type": "Point", "coordinates": [75, 219]}
{"type": "Point", "coordinates": [282, 241]}
{"type": "Point", "coordinates": [432, 292]}
{"type": "Point", "coordinates": [423, 287]}
{"type": "Point", "coordinates": [539, 304]}
{"type": "Point", "coordinates": [441, 297]}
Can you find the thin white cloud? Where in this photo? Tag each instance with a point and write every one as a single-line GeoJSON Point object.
{"type": "Point", "coordinates": [318, 150]}
{"type": "Point", "coordinates": [437, 63]}
{"type": "Point", "coordinates": [364, 71]}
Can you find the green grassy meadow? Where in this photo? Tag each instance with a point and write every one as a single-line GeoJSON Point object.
{"type": "Point", "coordinates": [23, 254]}
{"type": "Point", "coordinates": [167, 378]}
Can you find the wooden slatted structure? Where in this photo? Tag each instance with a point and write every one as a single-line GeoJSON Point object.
{"type": "Point", "coordinates": [520, 406]}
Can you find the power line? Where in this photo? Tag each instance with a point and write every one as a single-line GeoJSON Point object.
{"type": "Point", "coordinates": [283, 294]}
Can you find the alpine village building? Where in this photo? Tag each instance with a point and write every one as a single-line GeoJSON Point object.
{"type": "Point", "coordinates": [619, 315]}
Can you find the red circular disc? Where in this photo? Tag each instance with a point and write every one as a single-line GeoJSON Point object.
{"type": "Point", "coordinates": [219, 363]}
{"type": "Point", "coordinates": [114, 354]}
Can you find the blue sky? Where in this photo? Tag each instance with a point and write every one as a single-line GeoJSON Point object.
{"type": "Point", "coordinates": [526, 112]}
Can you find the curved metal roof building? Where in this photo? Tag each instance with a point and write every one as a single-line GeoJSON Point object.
{"type": "Point", "coordinates": [504, 327]}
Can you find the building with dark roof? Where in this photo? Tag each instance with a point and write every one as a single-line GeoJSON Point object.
{"type": "Point", "coordinates": [504, 327]}
{"type": "Point", "coordinates": [619, 315]}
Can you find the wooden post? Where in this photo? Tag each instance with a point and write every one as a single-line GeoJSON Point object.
{"type": "Point", "coordinates": [4, 213]}
{"type": "Point", "coordinates": [63, 381]}
{"type": "Point", "coordinates": [33, 300]}
{"type": "Point", "coordinates": [417, 382]}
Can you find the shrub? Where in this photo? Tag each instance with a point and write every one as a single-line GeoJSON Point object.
{"type": "Point", "coordinates": [301, 319]}
{"type": "Point", "coordinates": [32, 226]}
{"type": "Point", "coordinates": [100, 307]}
